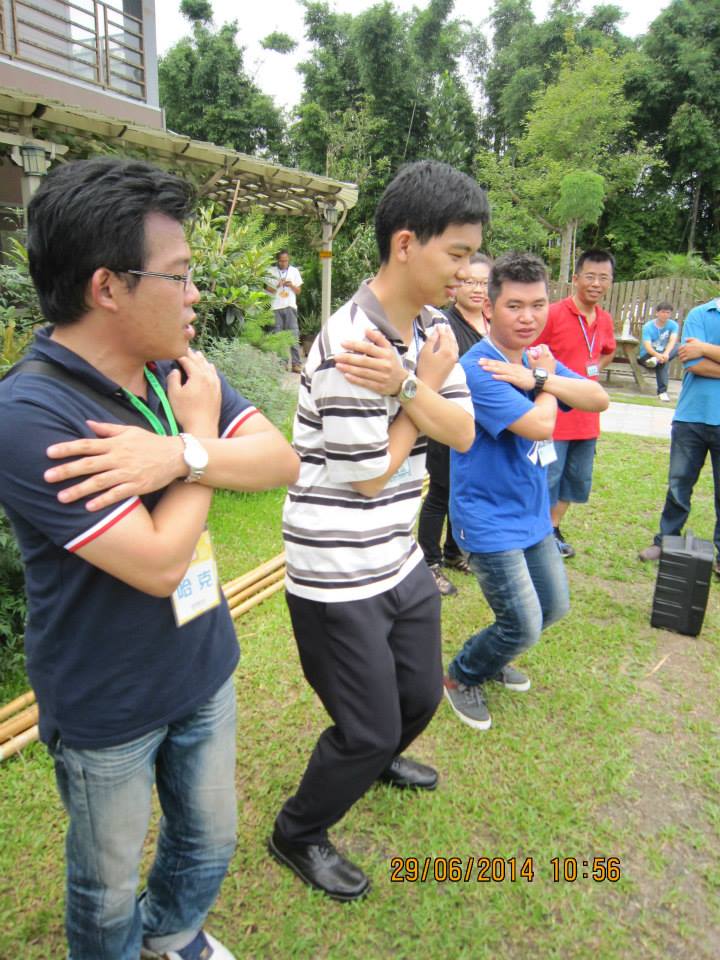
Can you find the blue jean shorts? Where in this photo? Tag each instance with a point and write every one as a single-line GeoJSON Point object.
{"type": "Point", "coordinates": [570, 476]}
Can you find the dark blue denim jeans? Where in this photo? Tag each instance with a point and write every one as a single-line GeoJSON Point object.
{"type": "Point", "coordinates": [527, 591]}
{"type": "Point", "coordinates": [690, 444]}
{"type": "Point", "coordinates": [107, 794]}
{"type": "Point", "coordinates": [662, 370]}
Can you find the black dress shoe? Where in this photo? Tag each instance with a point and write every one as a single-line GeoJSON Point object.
{"type": "Point", "coordinates": [406, 774]}
{"type": "Point", "coordinates": [320, 866]}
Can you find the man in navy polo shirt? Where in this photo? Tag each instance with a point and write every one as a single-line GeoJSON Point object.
{"type": "Point", "coordinates": [499, 503]}
{"type": "Point", "coordinates": [130, 645]}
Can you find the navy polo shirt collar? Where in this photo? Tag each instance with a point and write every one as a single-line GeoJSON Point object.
{"type": "Point", "coordinates": [45, 348]}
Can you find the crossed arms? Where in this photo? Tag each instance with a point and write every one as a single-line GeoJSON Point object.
{"type": "Point", "coordinates": [151, 551]}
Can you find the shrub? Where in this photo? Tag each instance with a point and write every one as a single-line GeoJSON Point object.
{"type": "Point", "coordinates": [231, 278]}
{"type": "Point", "coordinates": [259, 376]}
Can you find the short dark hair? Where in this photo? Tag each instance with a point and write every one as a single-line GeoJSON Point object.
{"type": "Point", "coordinates": [664, 305]}
{"type": "Point", "coordinates": [595, 255]}
{"type": "Point", "coordinates": [427, 197]}
{"type": "Point", "coordinates": [517, 268]}
{"type": "Point", "coordinates": [281, 252]}
{"type": "Point", "coordinates": [90, 214]}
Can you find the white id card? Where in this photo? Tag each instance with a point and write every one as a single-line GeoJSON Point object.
{"type": "Point", "coordinates": [199, 590]}
{"type": "Point", "coordinates": [593, 370]}
{"type": "Point", "coordinates": [546, 452]}
{"type": "Point", "coordinates": [402, 474]}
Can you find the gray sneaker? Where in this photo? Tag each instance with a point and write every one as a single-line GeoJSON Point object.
{"type": "Point", "coordinates": [468, 703]}
{"type": "Point", "coordinates": [650, 553]}
{"type": "Point", "coordinates": [512, 679]}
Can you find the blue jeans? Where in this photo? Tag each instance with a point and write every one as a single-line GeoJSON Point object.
{"type": "Point", "coordinates": [690, 444]}
{"type": "Point", "coordinates": [107, 794]}
{"type": "Point", "coordinates": [662, 370]}
{"type": "Point", "coordinates": [527, 591]}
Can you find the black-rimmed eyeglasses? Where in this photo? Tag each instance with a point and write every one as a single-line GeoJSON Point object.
{"type": "Point", "coordinates": [184, 278]}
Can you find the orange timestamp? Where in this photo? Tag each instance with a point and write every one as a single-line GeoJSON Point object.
{"type": "Point", "coordinates": [501, 869]}
{"type": "Point", "coordinates": [461, 869]}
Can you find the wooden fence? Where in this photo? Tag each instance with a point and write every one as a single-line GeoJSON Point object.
{"type": "Point", "coordinates": [632, 303]}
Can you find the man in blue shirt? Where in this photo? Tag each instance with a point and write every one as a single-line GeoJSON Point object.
{"type": "Point", "coordinates": [658, 346]}
{"type": "Point", "coordinates": [499, 502]}
{"type": "Point", "coordinates": [130, 645]}
{"type": "Point", "coordinates": [696, 425]}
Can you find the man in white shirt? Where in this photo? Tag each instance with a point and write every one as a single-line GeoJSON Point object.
{"type": "Point", "coordinates": [284, 283]}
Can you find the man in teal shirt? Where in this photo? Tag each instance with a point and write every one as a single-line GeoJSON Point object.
{"type": "Point", "coordinates": [696, 425]}
{"type": "Point", "coordinates": [658, 346]}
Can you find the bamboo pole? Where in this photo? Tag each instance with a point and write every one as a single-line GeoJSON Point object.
{"type": "Point", "coordinates": [15, 745]}
{"type": "Point", "coordinates": [233, 587]}
{"type": "Point", "coordinates": [254, 588]}
{"type": "Point", "coordinates": [17, 704]}
{"type": "Point", "coordinates": [258, 598]}
{"type": "Point", "coordinates": [18, 723]}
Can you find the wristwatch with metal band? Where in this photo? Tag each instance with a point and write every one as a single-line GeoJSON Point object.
{"type": "Point", "coordinates": [408, 389]}
{"type": "Point", "coordinates": [541, 376]}
{"type": "Point", "coordinates": [195, 456]}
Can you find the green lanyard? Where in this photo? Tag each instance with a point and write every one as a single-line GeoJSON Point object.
{"type": "Point", "coordinates": [149, 415]}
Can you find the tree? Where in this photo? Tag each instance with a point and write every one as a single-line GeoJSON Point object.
{"type": "Point", "coordinates": [678, 94]}
{"type": "Point", "coordinates": [579, 147]}
{"type": "Point", "coordinates": [582, 195]}
{"type": "Point", "coordinates": [527, 56]}
{"type": "Point", "coordinates": [207, 94]}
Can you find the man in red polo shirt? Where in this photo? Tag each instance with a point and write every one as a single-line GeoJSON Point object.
{"type": "Point", "coordinates": [579, 334]}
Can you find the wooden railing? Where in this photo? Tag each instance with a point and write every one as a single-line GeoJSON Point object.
{"type": "Point", "coordinates": [89, 40]}
{"type": "Point", "coordinates": [632, 303]}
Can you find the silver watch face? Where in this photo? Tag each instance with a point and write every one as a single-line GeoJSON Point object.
{"type": "Point", "coordinates": [195, 455]}
{"type": "Point", "coordinates": [409, 388]}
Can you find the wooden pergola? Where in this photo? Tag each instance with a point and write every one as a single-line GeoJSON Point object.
{"type": "Point", "coordinates": [236, 180]}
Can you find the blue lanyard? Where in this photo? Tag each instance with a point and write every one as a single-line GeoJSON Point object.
{"type": "Point", "coordinates": [590, 344]}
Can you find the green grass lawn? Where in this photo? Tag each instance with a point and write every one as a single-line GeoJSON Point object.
{"type": "Point", "coordinates": [612, 753]}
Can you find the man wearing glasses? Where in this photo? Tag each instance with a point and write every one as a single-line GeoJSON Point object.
{"type": "Point", "coordinates": [129, 642]}
{"type": "Point", "coordinates": [468, 318]}
{"type": "Point", "coordinates": [580, 335]}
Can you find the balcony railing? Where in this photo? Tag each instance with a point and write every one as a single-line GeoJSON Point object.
{"type": "Point", "coordinates": [88, 40]}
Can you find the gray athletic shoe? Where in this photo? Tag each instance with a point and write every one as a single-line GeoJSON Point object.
{"type": "Point", "coordinates": [468, 703]}
{"type": "Point", "coordinates": [513, 679]}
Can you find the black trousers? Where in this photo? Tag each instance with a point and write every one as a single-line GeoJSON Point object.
{"type": "Point", "coordinates": [433, 514]}
{"type": "Point", "coordinates": [376, 666]}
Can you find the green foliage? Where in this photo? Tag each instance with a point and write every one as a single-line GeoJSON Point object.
{"type": "Point", "coordinates": [230, 272]}
{"type": "Point", "coordinates": [582, 193]}
{"type": "Point", "coordinates": [689, 266]}
{"type": "Point", "coordinates": [393, 79]}
{"type": "Point", "coordinates": [13, 606]}
{"type": "Point", "coordinates": [259, 376]}
{"type": "Point", "coordinates": [208, 95]}
{"type": "Point", "coordinates": [196, 11]}
{"type": "Point", "coordinates": [527, 56]}
{"type": "Point", "coordinates": [278, 42]}
{"type": "Point", "coordinates": [679, 110]}
{"type": "Point", "coordinates": [19, 305]}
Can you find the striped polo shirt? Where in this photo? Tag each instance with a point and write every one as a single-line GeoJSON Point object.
{"type": "Point", "coordinates": [341, 545]}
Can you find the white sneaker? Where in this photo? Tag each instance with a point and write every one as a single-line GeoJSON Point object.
{"type": "Point", "coordinates": [651, 362]}
{"type": "Point", "coordinates": [203, 947]}
{"type": "Point", "coordinates": [664, 397]}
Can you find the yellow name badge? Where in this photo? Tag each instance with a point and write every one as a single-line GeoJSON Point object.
{"type": "Point", "coordinates": [199, 590]}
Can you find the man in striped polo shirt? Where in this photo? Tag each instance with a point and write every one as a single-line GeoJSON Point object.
{"type": "Point", "coordinates": [381, 377]}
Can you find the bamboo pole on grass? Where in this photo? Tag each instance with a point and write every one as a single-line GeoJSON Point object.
{"type": "Point", "coordinates": [17, 704]}
{"type": "Point", "coordinates": [17, 743]}
{"type": "Point", "coordinates": [18, 723]}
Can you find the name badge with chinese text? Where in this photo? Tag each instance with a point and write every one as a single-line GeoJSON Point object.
{"type": "Point", "coordinates": [199, 590]}
{"type": "Point", "coordinates": [593, 370]}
